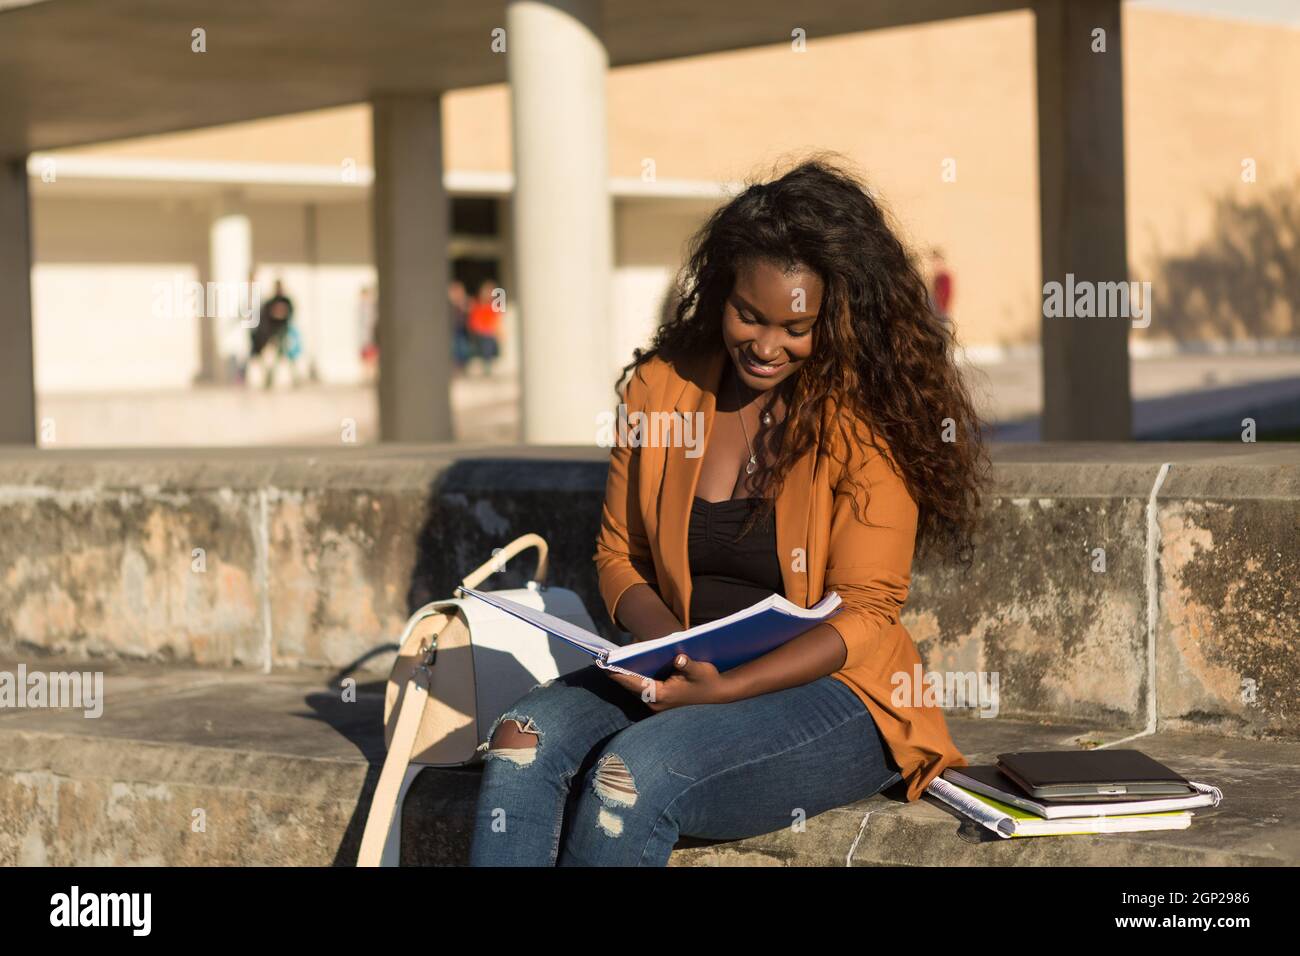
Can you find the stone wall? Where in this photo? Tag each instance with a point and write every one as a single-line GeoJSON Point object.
{"type": "Point", "coordinates": [1086, 594]}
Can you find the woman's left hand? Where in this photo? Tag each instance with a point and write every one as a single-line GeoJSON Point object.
{"type": "Point", "coordinates": [695, 682]}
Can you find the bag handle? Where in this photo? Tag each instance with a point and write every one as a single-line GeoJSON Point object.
{"type": "Point", "coordinates": [386, 804]}
{"type": "Point", "coordinates": [498, 561]}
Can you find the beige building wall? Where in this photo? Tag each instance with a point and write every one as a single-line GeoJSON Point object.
{"type": "Point", "coordinates": [904, 105]}
{"type": "Point", "coordinates": [111, 281]}
{"type": "Point", "coordinates": [1203, 96]}
{"type": "Point", "coordinates": [898, 103]}
{"type": "Point", "coordinates": [96, 265]}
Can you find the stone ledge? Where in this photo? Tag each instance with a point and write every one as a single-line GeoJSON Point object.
{"type": "Point", "coordinates": [1028, 468]}
{"type": "Point", "coordinates": [283, 770]}
{"type": "Point", "coordinates": [315, 558]}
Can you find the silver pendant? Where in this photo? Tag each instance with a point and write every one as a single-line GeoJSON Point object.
{"type": "Point", "coordinates": [749, 468]}
{"type": "Point", "coordinates": [767, 418]}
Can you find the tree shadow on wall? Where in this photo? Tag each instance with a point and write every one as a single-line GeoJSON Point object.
{"type": "Point", "coordinates": [1244, 282]}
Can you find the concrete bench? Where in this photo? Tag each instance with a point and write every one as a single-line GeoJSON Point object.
{"type": "Point", "coordinates": [1118, 589]}
{"type": "Point", "coordinates": [282, 770]}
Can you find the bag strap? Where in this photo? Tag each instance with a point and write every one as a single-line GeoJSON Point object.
{"type": "Point", "coordinates": [392, 779]}
{"type": "Point", "coordinates": [498, 561]}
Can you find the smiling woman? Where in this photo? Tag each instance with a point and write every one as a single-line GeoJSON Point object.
{"type": "Point", "coordinates": [806, 341]}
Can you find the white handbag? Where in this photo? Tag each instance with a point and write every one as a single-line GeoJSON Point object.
{"type": "Point", "coordinates": [461, 664]}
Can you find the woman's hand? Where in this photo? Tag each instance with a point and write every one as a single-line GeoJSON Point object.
{"type": "Point", "coordinates": [695, 682]}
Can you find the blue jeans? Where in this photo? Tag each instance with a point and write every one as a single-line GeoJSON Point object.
{"type": "Point", "coordinates": [711, 771]}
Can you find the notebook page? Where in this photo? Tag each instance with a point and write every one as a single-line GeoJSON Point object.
{"type": "Point", "coordinates": [999, 823]}
{"type": "Point", "coordinates": [593, 644]}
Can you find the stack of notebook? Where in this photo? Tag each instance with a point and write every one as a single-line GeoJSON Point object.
{"type": "Point", "coordinates": [1042, 793]}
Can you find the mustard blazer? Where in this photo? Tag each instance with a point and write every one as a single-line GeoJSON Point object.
{"type": "Point", "coordinates": [823, 547]}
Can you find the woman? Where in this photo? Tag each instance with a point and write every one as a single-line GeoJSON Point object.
{"type": "Point", "coordinates": [804, 344]}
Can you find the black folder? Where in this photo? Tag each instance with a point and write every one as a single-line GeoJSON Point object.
{"type": "Point", "coordinates": [1054, 774]}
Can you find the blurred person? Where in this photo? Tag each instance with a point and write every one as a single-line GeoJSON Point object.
{"type": "Point", "coordinates": [461, 349]}
{"type": "Point", "coordinates": [483, 324]}
{"type": "Point", "coordinates": [293, 353]}
{"type": "Point", "coordinates": [267, 338]}
{"type": "Point", "coordinates": [940, 287]}
{"type": "Point", "coordinates": [274, 318]}
{"type": "Point", "coordinates": [368, 332]}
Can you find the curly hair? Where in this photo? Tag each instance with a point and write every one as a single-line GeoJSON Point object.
{"type": "Point", "coordinates": [879, 350]}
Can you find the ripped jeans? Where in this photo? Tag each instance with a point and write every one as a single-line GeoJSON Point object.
{"type": "Point", "coordinates": [711, 771]}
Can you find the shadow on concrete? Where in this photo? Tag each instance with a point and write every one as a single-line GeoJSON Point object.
{"type": "Point", "coordinates": [479, 504]}
{"type": "Point", "coordinates": [1199, 415]}
{"type": "Point", "coordinates": [967, 830]}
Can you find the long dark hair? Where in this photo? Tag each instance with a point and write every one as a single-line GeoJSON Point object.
{"type": "Point", "coordinates": [879, 350]}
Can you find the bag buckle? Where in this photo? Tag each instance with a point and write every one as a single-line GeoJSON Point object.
{"type": "Point", "coordinates": [428, 653]}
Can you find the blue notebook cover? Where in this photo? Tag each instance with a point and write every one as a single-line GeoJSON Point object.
{"type": "Point", "coordinates": [725, 646]}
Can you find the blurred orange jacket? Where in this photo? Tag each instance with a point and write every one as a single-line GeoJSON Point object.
{"type": "Point", "coordinates": [483, 319]}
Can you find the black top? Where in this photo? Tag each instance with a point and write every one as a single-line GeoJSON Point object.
{"type": "Point", "coordinates": [727, 575]}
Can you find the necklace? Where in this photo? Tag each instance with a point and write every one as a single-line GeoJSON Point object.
{"type": "Point", "coordinates": [765, 418]}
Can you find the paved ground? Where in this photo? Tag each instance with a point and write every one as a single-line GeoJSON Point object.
{"type": "Point", "coordinates": [485, 408]}
{"type": "Point", "coordinates": [1012, 389]}
{"type": "Point", "coordinates": [1173, 393]}
{"type": "Point", "coordinates": [1176, 398]}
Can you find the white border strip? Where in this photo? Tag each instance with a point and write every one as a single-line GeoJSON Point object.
{"type": "Point", "coordinates": [1151, 576]}
{"type": "Point", "coordinates": [196, 171]}
{"type": "Point", "coordinates": [262, 555]}
{"type": "Point", "coordinates": [324, 175]}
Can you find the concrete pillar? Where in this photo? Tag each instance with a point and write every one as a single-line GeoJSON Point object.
{"type": "Point", "coordinates": [410, 215]}
{"type": "Point", "coordinates": [563, 236]}
{"type": "Point", "coordinates": [1081, 182]}
{"type": "Point", "coordinates": [223, 339]}
{"type": "Point", "coordinates": [17, 366]}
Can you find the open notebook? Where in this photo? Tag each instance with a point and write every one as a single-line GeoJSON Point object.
{"type": "Point", "coordinates": [724, 643]}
